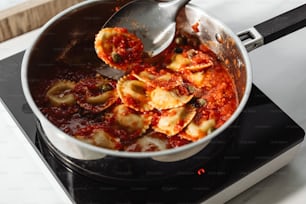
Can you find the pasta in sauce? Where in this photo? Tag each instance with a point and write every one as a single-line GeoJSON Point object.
{"type": "Point", "coordinates": [161, 102]}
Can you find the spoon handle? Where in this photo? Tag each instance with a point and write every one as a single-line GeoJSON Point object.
{"type": "Point", "coordinates": [172, 6]}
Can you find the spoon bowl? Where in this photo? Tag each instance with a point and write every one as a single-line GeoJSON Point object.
{"type": "Point", "coordinates": [151, 20]}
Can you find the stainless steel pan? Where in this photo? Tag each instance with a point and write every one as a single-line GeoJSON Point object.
{"type": "Point", "coordinates": [80, 23]}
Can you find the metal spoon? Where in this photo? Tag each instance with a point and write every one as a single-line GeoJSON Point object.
{"type": "Point", "coordinates": [152, 21]}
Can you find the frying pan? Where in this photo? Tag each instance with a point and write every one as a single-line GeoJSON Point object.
{"type": "Point", "coordinates": [77, 26]}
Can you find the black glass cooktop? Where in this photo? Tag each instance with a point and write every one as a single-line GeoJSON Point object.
{"type": "Point", "coordinates": [261, 133]}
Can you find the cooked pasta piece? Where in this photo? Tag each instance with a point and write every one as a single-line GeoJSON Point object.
{"type": "Point", "coordinates": [195, 78]}
{"type": "Point", "coordinates": [133, 93]}
{"type": "Point", "coordinates": [159, 78]}
{"type": "Point", "coordinates": [134, 123]}
{"type": "Point", "coordinates": [60, 93]}
{"type": "Point", "coordinates": [150, 142]}
{"type": "Point", "coordinates": [173, 121]}
{"type": "Point", "coordinates": [99, 137]}
{"type": "Point", "coordinates": [165, 99]}
{"type": "Point", "coordinates": [193, 60]}
{"type": "Point", "coordinates": [95, 94]}
{"type": "Point", "coordinates": [118, 48]}
{"type": "Point", "coordinates": [195, 131]}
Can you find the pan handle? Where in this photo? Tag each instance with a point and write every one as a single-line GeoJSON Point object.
{"type": "Point", "coordinates": [274, 28]}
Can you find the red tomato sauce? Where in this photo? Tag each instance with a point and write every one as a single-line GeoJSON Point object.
{"type": "Point", "coordinates": [216, 98]}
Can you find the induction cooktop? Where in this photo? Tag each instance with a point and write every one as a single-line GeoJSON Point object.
{"type": "Point", "coordinates": [257, 140]}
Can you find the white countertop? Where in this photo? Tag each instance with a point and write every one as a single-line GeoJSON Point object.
{"type": "Point", "coordinates": [278, 69]}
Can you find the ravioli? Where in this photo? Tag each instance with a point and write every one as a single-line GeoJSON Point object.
{"type": "Point", "coordinates": [159, 78]}
{"type": "Point", "coordinates": [61, 93]}
{"type": "Point", "coordinates": [131, 121]}
{"type": "Point", "coordinates": [99, 137]}
{"type": "Point", "coordinates": [195, 131]}
{"type": "Point", "coordinates": [133, 93]}
{"type": "Point", "coordinates": [193, 60]}
{"type": "Point", "coordinates": [118, 48]}
{"type": "Point", "coordinates": [150, 142]}
{"type": "Point", "coordinates": [195, 78]}
{"type": "Point", "coordinates": [165, 99]}
{"type": "Point", "coordinates": [95, 93]}
{"type": "Point", "coordinates": [173, 121]}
